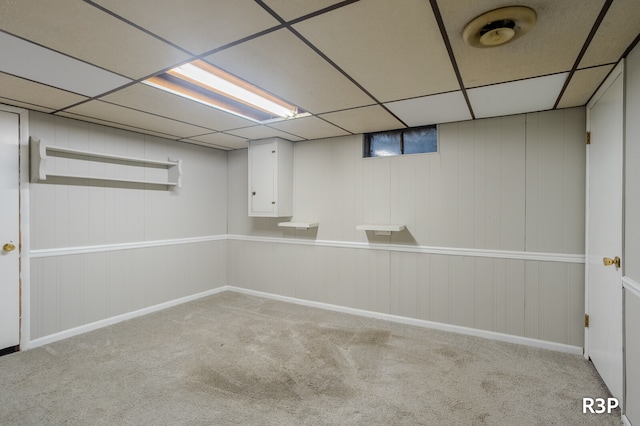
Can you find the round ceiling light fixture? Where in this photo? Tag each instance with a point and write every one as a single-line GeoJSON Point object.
{"type": "Point", "coordinates": [499, 26]}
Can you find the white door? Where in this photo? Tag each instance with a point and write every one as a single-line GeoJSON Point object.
{"type": "Point", "coordinates": [9, 231]}
{"type": "Point", "coordinates": [604, 287]}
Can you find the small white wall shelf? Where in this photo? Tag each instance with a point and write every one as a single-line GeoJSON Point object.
{"type": "Point", "coordinates": [41, 154]}
{"type": "Point", "coordinates": [380, 229]}
{"type": "Point", "coordinates": [299, 225]}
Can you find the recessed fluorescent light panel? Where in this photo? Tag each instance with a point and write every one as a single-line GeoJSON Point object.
{"type": "Point", "coordinates": [204, 83]}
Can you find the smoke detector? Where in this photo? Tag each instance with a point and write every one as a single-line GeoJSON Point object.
{"type": "Point", "coordinates": [499, 26]}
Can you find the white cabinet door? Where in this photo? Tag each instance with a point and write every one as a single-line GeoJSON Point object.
{"type": "Point", "coordinates": [9, 233]}
{"type": "Point", "coordinates": [263, 163]}
{"type": "Point", "coordinates": [270, 178]}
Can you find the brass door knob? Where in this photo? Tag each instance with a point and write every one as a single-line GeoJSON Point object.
{"type": "Point", "coordinates": [9, 246]}
{"type": "Point", "coordinates": [607, 261]}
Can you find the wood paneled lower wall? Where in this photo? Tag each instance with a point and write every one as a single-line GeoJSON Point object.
{"type": "Point", "coordinates": [528, 298]}
{"type": "Point", "coordinates": [632, 351]}
{"type": "Point", "coordinates": [538, 299]}
{"type": "Point", "coordinates": [73, 290]}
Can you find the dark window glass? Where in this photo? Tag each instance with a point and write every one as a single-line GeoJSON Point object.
{"type": "Point", "coordinates": [415, 140]}
{"type": "Point", "coordinates": [420, 139]}
{"type": "Point", "coordinates": [384, 144]}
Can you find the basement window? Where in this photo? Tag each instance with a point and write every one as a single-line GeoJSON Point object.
{"type": "Point", "coordinates": [415, 140]}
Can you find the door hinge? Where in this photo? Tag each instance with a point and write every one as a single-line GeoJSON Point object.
{"type": "Point", "coordinates": [586, 320]}
{"type": "Point", "coordinates": [588, 138]}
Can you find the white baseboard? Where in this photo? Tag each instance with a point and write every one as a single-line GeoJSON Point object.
{"type": "Point", "coordinates": [119, 318]}
{"type": "Point", "coordinates": [559, 347]}
{"type": "Point", "coordinates": [543, 344]}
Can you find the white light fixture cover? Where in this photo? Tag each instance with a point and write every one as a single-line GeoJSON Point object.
{"type": "Point", "coordinates": [192, 98]}
{"type": "Point", "coordinates": [229, 89]}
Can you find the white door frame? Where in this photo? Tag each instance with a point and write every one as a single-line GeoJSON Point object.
{"type": "Point", "coordinates": [25, 247]}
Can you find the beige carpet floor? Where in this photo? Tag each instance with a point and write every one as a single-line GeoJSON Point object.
{"type": "Point", "coordinates": [233, 359]}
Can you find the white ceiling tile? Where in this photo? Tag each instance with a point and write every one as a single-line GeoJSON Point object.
{"type": "Point", "coordinates": [582, 86]}
{"type": "Point", "coordinates": [263, 132]}
{"type": "Point", "coordinates": [373, 118]}
{"type": "Point", "coordinates": [37, 94]}
{"type": "Point", "coordinates": [442, 108]}
{"type": "Point", "coordinates": [309, 128]}
{"type": "Point", "coordinates": [85, 32]}
{"type": "Point", "coordinates": [222, 140]}
{"type": "Point", "coordinates": [534, 94]}
{"type": "Point", "coordinates": [20, 104]}
{"type": "Point", "coordinates": [114, 124]}
{"type": "Point", "coordinates": [208, 145]}
{"type": "Point", "coordinates": [292, 9]}
{"type": "Point", "coordinates": [393, 49]}
{"type": "Point", "coordinates": [141, 120]}
{"type": "Point", "coordinates": [616, 32]}
{"type": "Point", "coordinates": [36, 63]}
{"type": "Point", "coordinates": [283, 65]}
{"type": "Point", "coordinates": [195, 25]}
{"type": "Point", "coordinates": [156, 101]}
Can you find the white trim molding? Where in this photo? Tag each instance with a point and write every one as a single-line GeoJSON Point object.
{"type": "Point", "coordinates": [542, 344]}
{"type": "Point", "coordinates": [65, 251]}
{"type": "Point", "coordinates": [631, 285]}
{"type": "Point", "coordinates": [448, 251]}
{"type": "Point", "coordinates": [611, 78]}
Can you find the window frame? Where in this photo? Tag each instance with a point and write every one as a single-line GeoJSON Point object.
{"type": "Point", "coordinates": [366, 141]}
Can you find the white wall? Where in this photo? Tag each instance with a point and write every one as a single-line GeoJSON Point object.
{"type": "Point", "coordinates": [513, 186]}
{"type": "Point", "coordinates": [632, 165]}
{"type": "Point", "coordinates": [631, 257]}
{"type": "Point", "coordinates": [77, 287]}
{"type": "Point", "coordinates": [494, 229]}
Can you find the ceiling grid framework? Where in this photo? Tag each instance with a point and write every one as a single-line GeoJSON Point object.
{"type": "Point", "coordinates": [355, 66]}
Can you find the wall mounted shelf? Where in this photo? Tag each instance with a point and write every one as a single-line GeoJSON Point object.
{"type": "Point", "coordinates": [42, 155]}
{"type": "Point", "coordinates": [380, 229]}
{"type": "Point", "coordinates": [299, 225]}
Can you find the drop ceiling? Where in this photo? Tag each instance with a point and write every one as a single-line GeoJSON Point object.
{"type": "Point", "coordinates": [355, 66]}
